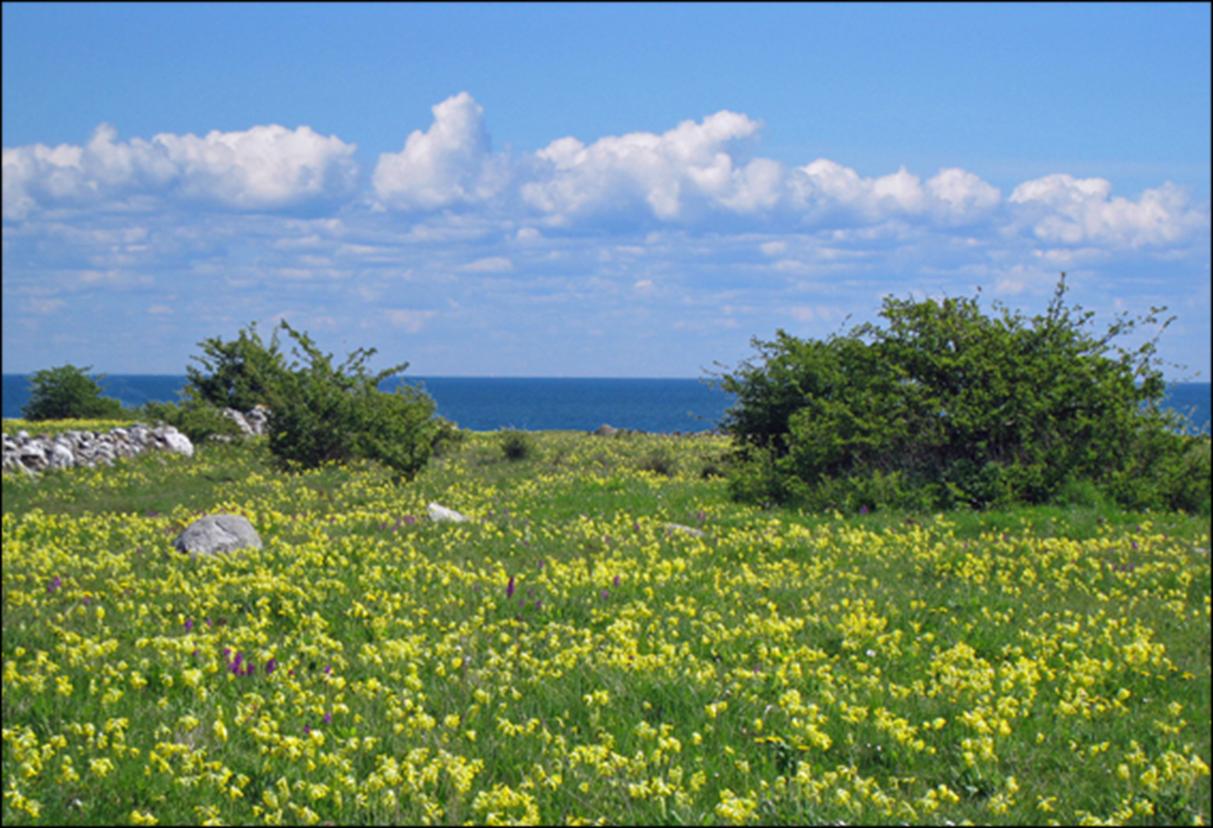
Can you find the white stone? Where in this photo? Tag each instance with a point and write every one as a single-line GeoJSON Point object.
{"type": "Point", "coordinates": [684, 530]}
{"type": "Point", "coordinates": [441, 514]}
{"type": "Point", "coordinates": [178, 442]}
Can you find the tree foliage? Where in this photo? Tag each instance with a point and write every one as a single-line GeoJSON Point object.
{"type": "Point", "coordinates": [68, 392]}
{"type": "Point", "coordinates": [943, 405]}
{"type": "Point", "coordinates": [236, 374]}
{"type": "Point", "coordinates": [320, 412]}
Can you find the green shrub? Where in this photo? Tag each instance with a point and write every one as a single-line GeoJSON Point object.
{"type": "Point", "coordinates": [516, 445]}
{"type": "Point", "coordinates": [447, 436]}
{"type": "Point", "coordinates": [195, 418]}
{"type": "Point", "coordinates": [68, 392]}
{"type": "Point", "coordinates": [236, 374]}
{"type": "Point", "coordinates": [321, 413]}
{"type": "Point", "coordinates": [944, 407]}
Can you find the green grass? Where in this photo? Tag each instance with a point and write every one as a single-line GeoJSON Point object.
{"type": "Point", "coordinates": [784, 668]}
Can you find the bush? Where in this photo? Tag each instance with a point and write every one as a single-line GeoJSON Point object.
{"type": "Point", "coordinates": [236, 374]}
{"type": "Point", "coordinates": [945, 406]}
{"type": "Point", "coordinates": [516, 445]}
{"type": "Point", "coordinates": [68, 392]}
{"type": "Point", "coordinates": [195, 418]}
{"type": "Point", "coordinates": [319, 413]}
{"type": "Point", "coordinates": [447, 435]}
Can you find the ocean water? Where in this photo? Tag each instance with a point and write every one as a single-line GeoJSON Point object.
{"type": "Point", "coordinates": [489, 403]}
{"type": "Point", "coordinates": [534, 404]}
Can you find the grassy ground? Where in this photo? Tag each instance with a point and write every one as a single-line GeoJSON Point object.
{"type": "Point", "coordinates": [569, 656]}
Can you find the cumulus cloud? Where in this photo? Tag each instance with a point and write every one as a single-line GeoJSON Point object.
{"type": "Point", "coordinates": [697, 176]}
{"type": "Point", "coordinates": [450, 163]}
{"type": "Point", "coordinates": [1062, 209]}
{"type": "Point", "coordinates": [265, 167]}
{"type": "Point", "coordinates": [668, 175]}
{"type": "Point", "coordinates": [826, 190]}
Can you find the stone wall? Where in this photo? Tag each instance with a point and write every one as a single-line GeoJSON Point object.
{"type": "Point", "coordinates": [34, 454]}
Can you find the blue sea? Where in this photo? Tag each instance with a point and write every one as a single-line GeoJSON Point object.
{"type": "Point", "coordinates": [533, 404]}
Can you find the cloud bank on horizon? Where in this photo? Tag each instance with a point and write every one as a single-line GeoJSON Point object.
{"type": "Point", "coordinates": [690, 230]}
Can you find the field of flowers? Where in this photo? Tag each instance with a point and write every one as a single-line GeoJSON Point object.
{"type": "Point", "coordinates": [570, 655]}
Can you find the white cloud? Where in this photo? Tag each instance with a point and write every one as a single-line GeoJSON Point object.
{"type": "Point", "coordinates": [411, 321]}
{"type": "Point", "coordinates": [961, 197]}
{"type": "Point", "coordinates": [826, 190]}
{"type": "Point", "coordinates": [1062, 209]}
{"type": "Point", "coordinates": [662, 175]}
{"type": "Point", "coordinates": [265, 167]}
{"type": "Point", "coordinates": [450, 163]}
{"type": "Point", "coordinates": [262, 167]}
{"type": "Point", "coordinates": [36, 305]}
{"type": "Point", "coordinates": [491, 264]}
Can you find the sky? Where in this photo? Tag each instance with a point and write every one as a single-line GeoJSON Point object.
{"type": "Point", "coordinates": [584, 190]}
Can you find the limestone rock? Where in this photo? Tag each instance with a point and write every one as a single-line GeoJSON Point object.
{"type": "Point", "coordinates": [239, 419]}
{"type": "Point", "coordinates": [214, 534]}
{"type": "Point", "coordinates": [441, 514]}
{"type": "Point", "coordinates": [176, 441]}
{"type": "Point", "coordinates": [258, 419]}
{"type": "Point", "coordinates": [684, 530]}
{"type": "Point", "coordinates": [61, 456]}
{"type": "Point", "coordinates": [605, 430]}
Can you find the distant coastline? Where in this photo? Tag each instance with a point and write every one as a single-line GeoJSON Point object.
{"type": "Point", "coordinates": [548, 403]}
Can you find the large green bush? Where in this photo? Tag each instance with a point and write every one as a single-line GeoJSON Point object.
{"type": "Point", "coordinates": [68, 392]}
{"type": "Point", "coordinates": [318, 412]}
{"type": "Point", "coordinates": [321, 413]}
{"type": "Point", "coordinates": [945, 406]}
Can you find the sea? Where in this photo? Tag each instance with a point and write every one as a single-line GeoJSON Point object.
{"type": "Point", "coordinates": [663, 406]}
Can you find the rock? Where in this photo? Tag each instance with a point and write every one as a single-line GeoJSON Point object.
{"type": "Point", "coordinates": [214, 534]}
{"type": "Point", "coordinates": [177, 441]}
{"type": "Point", "coordinates": [258, 419]}
{"type": "Point", "coordinates": [605, 430]}
{"type": "Point", "coordinates": [33, 456]}
{"type": "Point", "coordinates": [684, 530]}
{"type": "Point", "coordinates": [61, 456]}
{"type": "Point", "coordinates": [441, 514]}
{"type": "Point", "coordinates": [238, 418]}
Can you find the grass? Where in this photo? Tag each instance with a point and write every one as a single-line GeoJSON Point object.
{"type": "Point", "coordinates": [568, 657]}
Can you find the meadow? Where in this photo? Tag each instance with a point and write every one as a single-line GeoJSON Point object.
{"type": "Point", "coordinates": [576, 654]}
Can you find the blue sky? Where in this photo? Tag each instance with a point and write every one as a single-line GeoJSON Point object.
{"type": "Point", "coordinates": [589, 190]}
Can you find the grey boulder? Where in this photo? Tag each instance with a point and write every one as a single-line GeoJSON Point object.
{"type": "Point", "coordinates": [214, 534]}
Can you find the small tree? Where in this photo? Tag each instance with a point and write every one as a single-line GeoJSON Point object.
{"type": "Point", "coordinates": [319, 413]}
{"type": "Point", "coordinates": [68, 392]}
{"type": "Point", "coordinates": [945, 406]}
{"type": "Point", "coordinates": [235, 374]}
